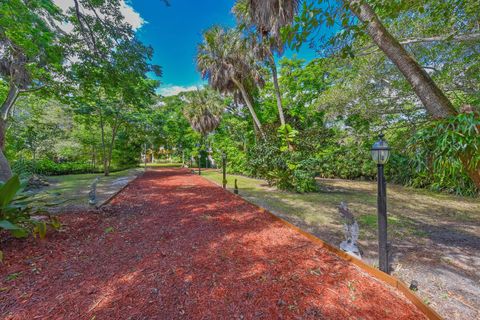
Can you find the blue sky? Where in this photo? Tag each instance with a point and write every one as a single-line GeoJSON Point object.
{"type": "Point", "coordinates": [174, 33]}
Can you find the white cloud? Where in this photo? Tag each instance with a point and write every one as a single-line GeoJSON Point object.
{"type": "Point", "coordinates": [171, 90]}
{"type": "Point", "coordinates": [131, 16]}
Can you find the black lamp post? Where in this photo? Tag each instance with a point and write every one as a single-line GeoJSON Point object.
{"type": "Point", "coordinates": [198, 159]}
{"type": "Point", "coordinates": [224, 169]}
{"type": "Point", "coordinates": [380, 154]}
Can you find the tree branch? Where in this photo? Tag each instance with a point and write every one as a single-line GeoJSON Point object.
{"type": "Point", "coordinates": [31, 89]}
{"type": "Point", "coordinates": [448, 38]}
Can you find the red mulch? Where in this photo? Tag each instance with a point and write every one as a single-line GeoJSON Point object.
{"type": "Point", "coordinates": [183, 248]}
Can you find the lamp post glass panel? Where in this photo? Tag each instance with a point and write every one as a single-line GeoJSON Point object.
{"type": "Point", "coordinates": [380, 154]}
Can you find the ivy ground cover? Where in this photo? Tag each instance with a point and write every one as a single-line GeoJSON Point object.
{"type": "Point", "coordinates": [173, 245]}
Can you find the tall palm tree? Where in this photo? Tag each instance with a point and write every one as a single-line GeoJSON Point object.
{"type": "Point", "coordinates": [224, 59]}
{"type": "Point", "coordinates": [203, 110]}
{"type": "Point", "coordinates": [271, 15]}
{"type": "Point", "coordinates": [268, 17]}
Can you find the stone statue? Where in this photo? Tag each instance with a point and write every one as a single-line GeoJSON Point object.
{"type": "Point", "coordinates": [92, 195]}
{"type": "Point", "coordinates": [351, 231]}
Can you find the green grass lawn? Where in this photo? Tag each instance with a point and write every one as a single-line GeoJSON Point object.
{"type": "Point", "coordinates": [413, 213]}
{"type": "Point", "coordinates": [71, 191]}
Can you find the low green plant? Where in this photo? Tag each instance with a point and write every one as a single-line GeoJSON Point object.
{"type": "Point", "coordinates": [16, 215]}
{"type": "Point", "coordinates": [436, 153]}
{"type": "Point", "coordinates": [47, 167]}
{"type": "Point", "coordinates": [287, 135]}
{"type": "Point", "coordinates": [287, 170]}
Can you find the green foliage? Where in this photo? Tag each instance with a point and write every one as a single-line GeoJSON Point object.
{"type": "Point", "coordinates": [436, 153]}
{"type": "Point", "coordinates": [25, 168]}
{"type": "Point", "coordinates": [287, 136]}
{"type": "Point", "coordinates": [349, 160]}
{"type": "Point", "coordinates": [31, 49]}
{"type": "Point", "coordinates": [49, 167]}
{"type": "Point", "coordinates": [203, 110]}
{"type": "Point", "coordinates": [16, 216]}
{"type": "Point", "coordinates": [284, 169]}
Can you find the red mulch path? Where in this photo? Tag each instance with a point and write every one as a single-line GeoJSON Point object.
{"type": "Point", "coordinates": [183, 248]}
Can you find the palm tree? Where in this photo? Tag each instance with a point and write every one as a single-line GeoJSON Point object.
{"type": "Point", "coordinates": [203, 110]}
{"type": "Point", "coordinates": [225, 60]}
{"type": "Point", "coordinates": [268, 17]}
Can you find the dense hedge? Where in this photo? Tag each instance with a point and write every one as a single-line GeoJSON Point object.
{"type": "Point", "coordinates": [429, 159]}
{"type": "Point", "coordinates": [24, 167]}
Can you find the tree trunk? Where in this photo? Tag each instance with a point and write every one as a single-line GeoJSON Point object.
{"type": "Point", "coordinates": [104, 152]}
{"type": "Point", "coordinates": [278, 94]}
{"type": "Point", "coordinates": [94, 157]}
{"type": "Point", "coordinates": [9, 101]}
{"type": "Point", "coordinates": [112, 142]}
{"type": "Point", "coordinates": [250, 106]}
{"type": "Point", "coordinates": [5, 170]}
{"type": "Point", "coordinates": [432, 97]}
{"type": "Point", "coordinates": [273, 66]}
{"type": "Point", "coordinates": [434, 100]}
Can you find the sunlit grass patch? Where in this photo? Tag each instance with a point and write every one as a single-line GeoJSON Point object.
{"type": "Point", "coordinates": [411, 212]}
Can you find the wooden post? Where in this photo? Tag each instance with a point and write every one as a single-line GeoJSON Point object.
{"type": "Point", "coordinates": [224, 169]}
{"type": "Point", "coordinates": [199, 170]}
{"type": "Point", "coordinates": [145, 157]}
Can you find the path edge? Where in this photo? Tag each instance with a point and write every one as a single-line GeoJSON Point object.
{"type": "Point", "coordinates": [110, 198]}
{"type": "Point", "coordinates": [373, 272]}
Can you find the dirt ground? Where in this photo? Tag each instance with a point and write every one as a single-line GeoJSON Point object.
{"type": "Point", "coordinates": [435, 238]}
{"type": "Point", "coordinates": [173, 245]}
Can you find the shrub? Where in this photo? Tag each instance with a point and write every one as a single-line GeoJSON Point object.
{"type": "Point", "coordinates": [25, 168]}
{"type": "Point", "coordinates": [282, 168]}
{"type": "Point", "coordinates": [16, 215]}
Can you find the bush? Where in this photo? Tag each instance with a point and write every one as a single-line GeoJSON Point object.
{"type": "Point", "coordinates": [236, 158]}
{"type": "Point", "coordinates": [25, 168]}
{"type": "Point", "coordinates": [16, 214]}
{"type": "Point", "coordinates": [48, 167]}
{"type": "Point", "coordinates": [284, 169]}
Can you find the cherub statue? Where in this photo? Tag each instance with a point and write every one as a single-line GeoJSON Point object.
{"type": "Point", "coordinates": [92, 194]}
{"type": "Point", "coordinates": [351, 231]}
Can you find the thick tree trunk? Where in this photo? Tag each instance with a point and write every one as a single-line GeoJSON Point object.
{"type": "Point", "coordinates": [432, 97]}
{"type": "Point", "coordinates": [278, 96]}
{"type": "Point", "coordinates": [250, 107]}
{"type": "Point", "coordinates": [434, 100]}
{"type": "Point", "coordinates": [5, 170]}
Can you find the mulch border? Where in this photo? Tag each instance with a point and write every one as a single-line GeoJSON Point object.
{"type": "Point", "coordinates": [375, 273]}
